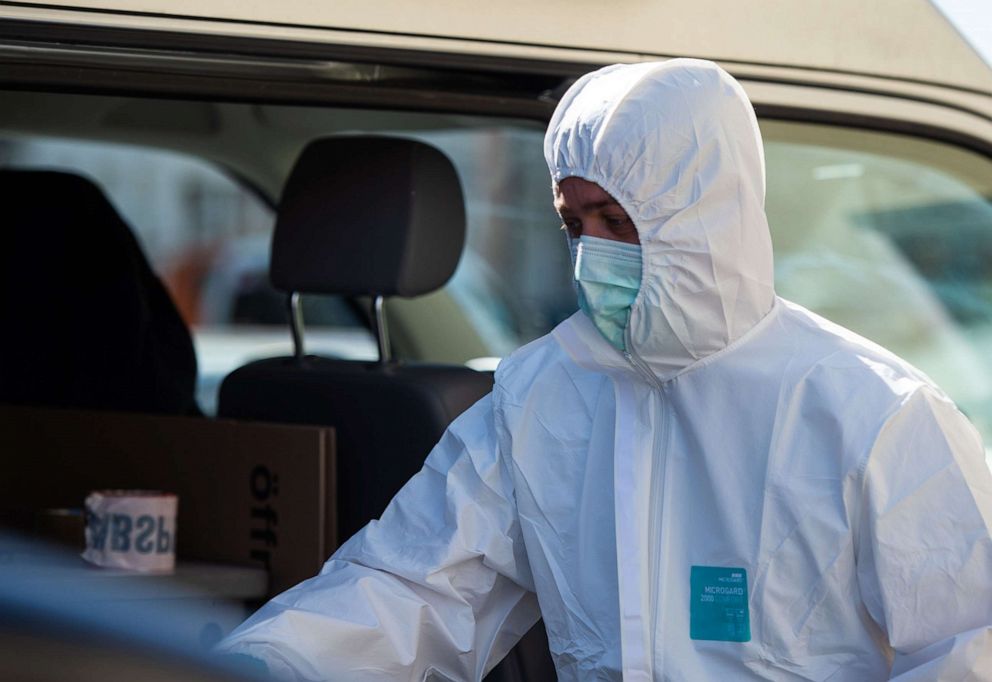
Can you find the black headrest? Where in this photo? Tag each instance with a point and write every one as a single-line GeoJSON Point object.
{"type": "Point", "coordinates": [87, 323]}
{"type": "Point", "coordinates": [369, 215]}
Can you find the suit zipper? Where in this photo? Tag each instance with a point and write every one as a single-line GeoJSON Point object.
{"type": "Point", "coordinates": [656, 504]}
{"type": "Point", "coordinates": [657, 518]}
{"type": "Point", "coordinates": [641, 367]}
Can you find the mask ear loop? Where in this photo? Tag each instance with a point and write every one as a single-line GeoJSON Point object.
{"type": "Point", "coordinates": [573, 251]}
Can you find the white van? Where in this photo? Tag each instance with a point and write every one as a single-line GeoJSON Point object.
{"type": "Point", "coordinates": [189, 116]}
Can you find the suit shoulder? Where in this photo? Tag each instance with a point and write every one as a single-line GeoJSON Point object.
{"type": "Point", "coordinates": [521, 368]}
{"type": "Point", "coordinates": [542, 373]}
{"type": "Point", "coordinates": [851, 384]}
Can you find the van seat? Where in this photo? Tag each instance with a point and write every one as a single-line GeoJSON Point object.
{"type": "Point", "coordinates": [371, 216]}
{"type": "Point", "coordinates": [87, 323]}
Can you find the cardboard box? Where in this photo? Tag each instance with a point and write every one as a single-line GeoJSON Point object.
{"type": "Point", "coordinates": [250, 494]}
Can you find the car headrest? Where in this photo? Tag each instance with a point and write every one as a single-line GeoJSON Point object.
{"type": "Point", "coordinates": [368, 215]}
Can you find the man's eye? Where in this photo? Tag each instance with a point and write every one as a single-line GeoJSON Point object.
{"type": "Point", "coordinates": [617, 221]}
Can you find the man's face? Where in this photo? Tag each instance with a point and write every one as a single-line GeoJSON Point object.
{"type": "Point", "coordinates": [586, 209]}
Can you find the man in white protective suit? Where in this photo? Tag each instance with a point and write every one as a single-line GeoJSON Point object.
{"type": "Point", "coordinates": [689, 479]}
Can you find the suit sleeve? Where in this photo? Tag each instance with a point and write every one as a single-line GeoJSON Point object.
{"type": "Point", "coordinates": [924, 543]}
{"type": "Point", "coordinates": [439, 588]}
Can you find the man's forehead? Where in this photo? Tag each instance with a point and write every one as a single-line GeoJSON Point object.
{"type": "Point", "coordinates": [580, 194]}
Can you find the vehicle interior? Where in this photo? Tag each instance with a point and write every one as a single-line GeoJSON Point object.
{"type": "Point", "coordinates": [235, 241]}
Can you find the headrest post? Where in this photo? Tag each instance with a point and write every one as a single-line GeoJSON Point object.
{"type": "Point", "coordinates": [381, 330]}
{"type": "Point", "coordinates": [296, 323]}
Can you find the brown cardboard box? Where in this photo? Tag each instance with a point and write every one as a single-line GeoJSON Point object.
{"type": "Point", "coordinates": [252, 494]}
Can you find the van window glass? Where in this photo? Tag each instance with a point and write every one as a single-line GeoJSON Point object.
{"type": "Point", "coordinates": [163, 164]}
{"type": "Point", "coordinates": [891, 237]}
{"type": "Point", "coordinates": [513, 281]}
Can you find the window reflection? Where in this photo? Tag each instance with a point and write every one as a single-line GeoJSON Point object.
{"type": "Point", "coordinates": [890, 236]}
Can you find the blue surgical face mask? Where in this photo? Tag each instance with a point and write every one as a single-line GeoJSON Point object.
{"type": "Point", "coordinates": [608, 277]}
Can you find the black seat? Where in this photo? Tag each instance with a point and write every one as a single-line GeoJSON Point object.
{"type": "Point", "coordinates": [364, 217]}
{"type": "Point", "coordinates": [376, 217]}
{"type": "Point", "coordinates": [87, 323]}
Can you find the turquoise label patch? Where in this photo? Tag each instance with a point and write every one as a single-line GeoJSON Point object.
{"type": "Point", "coordinates": [718, 610]}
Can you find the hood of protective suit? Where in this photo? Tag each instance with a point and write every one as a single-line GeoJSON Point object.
{"type": "Point", "coordinates": [677, 145]}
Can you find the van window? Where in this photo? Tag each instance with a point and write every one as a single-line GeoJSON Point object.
{"type": "Point", "coordinates": [514, 279]}
{"type": "Point", "coordinates": [890, 236]}
{"type": "Point", "coordinates": [207, 231]}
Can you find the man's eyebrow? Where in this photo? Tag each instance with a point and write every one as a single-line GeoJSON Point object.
{"type": "Point", "coordinates": [593, 205]}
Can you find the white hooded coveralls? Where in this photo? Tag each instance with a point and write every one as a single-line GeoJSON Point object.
{"type": "Point", "coordinates": [741, 432]}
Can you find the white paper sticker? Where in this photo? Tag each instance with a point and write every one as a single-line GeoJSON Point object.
{"type": "Point", "coordinates": [131, 529]}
